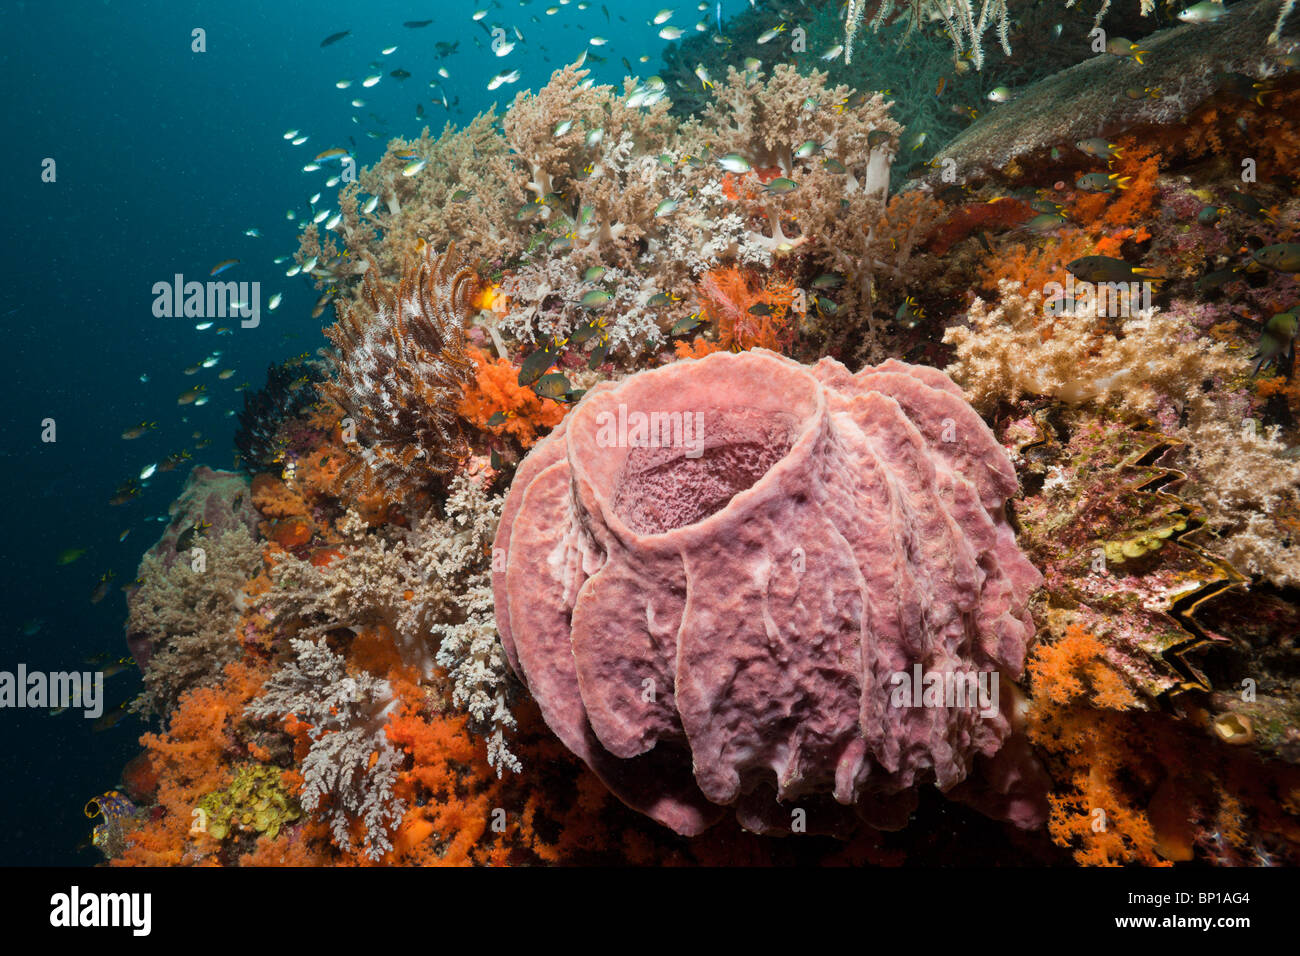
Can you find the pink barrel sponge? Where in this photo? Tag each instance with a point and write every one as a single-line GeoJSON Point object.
{"type": "Point", "coordinates": [727, 583]}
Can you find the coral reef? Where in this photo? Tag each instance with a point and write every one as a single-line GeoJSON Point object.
{"type": "Point", "coordinates": [585, 178]}
{"type": "Point", "coordinates": [655, 600]}
{"type": "Point", "coordinates": [427, 588]}
{"type": "Point", "coordinates": [714, 640]}
{"type": "Point", "coordinates": [459, 549]}
{"type": "Point", "coordinates": [469, 178]}
{"type": "Point", "coordinates": [1117, 544]}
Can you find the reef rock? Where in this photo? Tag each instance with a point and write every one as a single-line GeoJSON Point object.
{"type": "Point", "coordinates": [721, 579]}
{"type": "Point", "coordinates": [1182, 67]}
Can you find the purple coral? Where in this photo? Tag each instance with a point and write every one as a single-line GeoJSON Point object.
{"type": "Point", "coordinates": [711, 575]}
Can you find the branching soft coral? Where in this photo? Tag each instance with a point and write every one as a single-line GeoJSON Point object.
{"type": "Point", "coordinates": [419, 209]}
{"type": "Point", "coordinates": [1014, 349]}
{"type": "Point", "coordinates": [1093, 814]}
{"type": "Point", "coordinates": [1136, 785]}
{"type": "Point", "coordinates": [495, 388]}
{"type": "Point", "coordinates": [730, 297]}
{"type": "Point", "coordinates": [188, 759]}
{"type": "Point", "coordinates": [428, 588]}
{"type": "Point", "coordinates": [1250, 490]}
{"type": "Point", "coordinates": [1033, 265]}
{"type": "Point", "coordinates": [460, 813]}
{"type": "Point", "coordinates": [274, 499]}
{"type": "Point", "coordinates": [1075, 666]}
{"type": "Point", "coordinates": [767, 121]}
{"type": "Point", "coordinates": [350, 768]}
{"type": "Point", "coordinates": [838, 216]}
{"type": "Point", "coordinates": [187, 613]}
{"type": "Point", "coordinates": [458, 551]}
{"type": "Point", "coordinates": [1139, 163]}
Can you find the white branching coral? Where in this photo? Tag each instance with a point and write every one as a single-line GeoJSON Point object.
{"type": "Point", "coordinates": [545, 297]}
{"type": "Point", "coordinates": [349, 772]}
{"type": "Point", "coordinates": [1079, 355]}
{"type": "Point", "coordinates": [429, 589]}
{"type": "Point", "coordinates": [965, 26]}
{"type": "Point", "coordinates": [458, 549]}
{"type": "Point", "coordinates": [367, 587]}
{"type": "Point", "coordinates": [1238, 472]}
{"type": "Point", "coordinates": [188, 613]}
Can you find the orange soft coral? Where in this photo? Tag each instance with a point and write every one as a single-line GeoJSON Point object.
{"type": "Point", "coordinates": [1075, 666]}
{"type": "Point", "coordinates": [319, 475]}
{"type": "Point", "coordinates": [461, 813]}
{"type": "Point", "coordinates": [1138, 166]}
{"type": "Point", "coordinates": [457, 804]}
{"type": "Point", "coordinates": [729, 296]}
{"type": "Point", "coordinates": [697, 349]}
{"type": "Point", "coordinates": [1094, 813]}
{"type": "Point", "coordinates": [324, 416]}
{"type": "Point", "coordinates": [1135, 785]}
{"type": "Point", "coordinates": [1034, 265]}
{"type": "Point", "coordinates": [748, 185]}
{"type": "Point", "coordinates": [307, 844]}
{"type": "Point", "coordinates": [275, 499]}
{"type": "Point", "coordinates": [1134, 205]}
{"type": "Point", "coordinates": [495, 388]}
{"type": "Point", "coordinates": [189, 762]}
{"type": "Point", "coordinates": [1242, 127]}
{"type": "Point", "coordinates": [1289, 391]}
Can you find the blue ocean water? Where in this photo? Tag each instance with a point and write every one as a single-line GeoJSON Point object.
{"type": "Point", "coordinates": [163, 157]}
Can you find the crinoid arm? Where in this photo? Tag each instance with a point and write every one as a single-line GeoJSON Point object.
{"type": "Point", "coordinates": [401, 369]}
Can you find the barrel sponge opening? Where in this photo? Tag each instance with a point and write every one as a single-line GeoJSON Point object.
{"type": "Point", "coordinates": [678, 483]}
